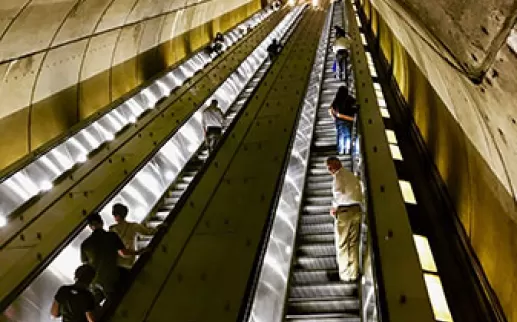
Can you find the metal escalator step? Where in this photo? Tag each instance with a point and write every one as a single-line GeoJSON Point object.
{"type": "Point", "coordinates": [336, 289]}
{"type": "Point", "coordinates": [324, 262]}
{"type": "Point", "coordinates": [316, 250]}
{"type": "Point", "coordinates": [175, 193]}
{"type": "Point", "coordinates": [319, 192]}
{"type": "Point", "coordinates": [160, 215]}
{"type": "Point", "coordinates": [306, 219]}
{"type": "Point", "coordinates": [320, 200]}
{"type": "Point", "coordinates": [171, 200]}
{"type": "Point", "coordinates": [317, 238]}
{"type": "Point", "coordinates": [316, 229]}
{"type": "Point", "coordinates": [330, 305]}
{"type": "Point", "coordinates": [317, 208]}
{"type": "Point", "coordinates": [302, 277]}
{"type": "Point", "coordinates": [319, 185]}
{"type": "Point", "coordinates": [324, 318]}
{"type": "Point", "coordinates": [321, 177]}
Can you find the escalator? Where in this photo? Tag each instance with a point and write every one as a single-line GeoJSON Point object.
{"type": "Point", "coordinates": [315, 291]}
{"type": "Point", "coordinates": [196, 163]}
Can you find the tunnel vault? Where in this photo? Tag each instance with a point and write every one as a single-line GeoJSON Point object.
{"type": "Point", "coordinates": [62, 61]}
{"type": "Point", "coordinates": [469, 129]}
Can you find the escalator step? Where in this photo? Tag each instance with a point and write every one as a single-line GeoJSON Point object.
{"type": "Point", "coordinates": [319, 185]}
{"type": "Point", "coordinates": [316, 238]}
{"type": "Point", "coordinates": [320, 200]}
{"type": "Point", "coordinates": [324, 318]}
{"type": "Point", "coordinates": [316, 219]}
{"type": "Point", "coordinates": [316, 229]}
{"type": "Point", "coordinates": [302, 277]}
{"type": "Point", "coordinates": [331, 305]}
{"type": "Point", "coordinates": [315, 263]}
{"type": "Point", "coordinates": [318, 291]}
{"type": "Point", "coordinates": [317, 208]}
{"type": "Point", "coordinates": [316, 250]}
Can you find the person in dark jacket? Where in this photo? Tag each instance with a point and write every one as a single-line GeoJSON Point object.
{"type": "Point", "coordinates": [343, 110]}
{"type": "Point", "coordinates": [274, 49]}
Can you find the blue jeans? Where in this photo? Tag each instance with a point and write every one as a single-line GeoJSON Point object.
{"type": "Point", "coordinates": [344, 135]}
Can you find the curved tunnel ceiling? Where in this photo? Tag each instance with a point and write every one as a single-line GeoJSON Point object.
{"type": "Point", "coordinates": [469, 33]}
{"type": "Point", "coordinates": [52, 46]}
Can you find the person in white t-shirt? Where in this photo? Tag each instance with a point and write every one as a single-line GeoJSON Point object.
{"type": "Point", "coordinates": [128, 232]}
{"type": "Point", "coordinates": [346, 209]}
{"type": "Point", "coordinates": [341, 47]}
{"type": "Point", "coordinates": [212, 121]}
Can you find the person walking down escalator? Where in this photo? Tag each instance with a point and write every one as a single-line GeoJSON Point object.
{"type": "Point", "coordinates": [212, 122]}
{"type": "Point", "coordinates": [343, 110]}
{"type": "Point", "coordinates": [274, 49]}
{"type": "Point", "coordinates": [341, 48]}
{"type": "Point", "coordinates": [218, 43]}
{"type": "Point", "coordinates": [75, 302]}
{"type": "Point", "coordinates": [346, 210]}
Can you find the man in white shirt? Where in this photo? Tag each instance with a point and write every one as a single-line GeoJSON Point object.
{"type": "Point", "coordinates": [212, 121]}
{"type": "Point", "coordinates": [346, 209]}
{"type": "Point", "coordinates": [341, 47]}
{"type": "Point", "coordinates": [128, 232]}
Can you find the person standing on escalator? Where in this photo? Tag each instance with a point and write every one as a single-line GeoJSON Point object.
{"type": "Point", "coordinates": [343, 109]}
{"type": "Point", "coordinates": [101, 250]}
{"type": "Point", "coordinates": [75, 303]}
{"type": "Point", "coordinates": [341, 47]}
{"type": "Point", "coordinates": [212, 121]}
{"type": "Point", "coordinates": [347, 197]}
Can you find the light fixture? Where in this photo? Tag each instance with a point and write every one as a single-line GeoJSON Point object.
{"type": "Point", "coordinates": [81, 158]}
{"type": "Point", "coordinates": [45, 185]}
{"type": "Point", "coordinates": [3, 221]}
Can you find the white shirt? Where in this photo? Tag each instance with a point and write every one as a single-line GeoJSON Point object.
{"type": "Point", "coordinates": [212, 116]}
{"type": "Point", "coordinates": [342, 43]}
{"type": "Point", "coordinates": [128, 231]}
{"type": "Point", "coordinates": [346, 189]}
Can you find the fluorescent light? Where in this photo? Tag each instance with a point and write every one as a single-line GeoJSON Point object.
{"type": "Point", "coordinates": [425, 254]}
{"type": "Point", "coordinates": [395, 153]}
{"type": "Point", "coordinates": [407, 192]}
{"type": "Point", "coordinates": [385, 113]}
{"type": "Point", "coordinates": [46, 185]}
{"type": "Point", "coordinates": [81, 158]}
{"type": "Point", "coordinates": [392, 138]}
{"type": "Point", "coordinates": [437, 297]}
{"type": "Point", "coordinates": [3, 221]}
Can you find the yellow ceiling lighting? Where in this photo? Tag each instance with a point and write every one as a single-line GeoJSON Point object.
{"type": "Point", "coordinates": [407, 192]}
{"type": "Point", "coordinates": [437, 296]}
{"type": "Point", "coordinates": [425, 254]}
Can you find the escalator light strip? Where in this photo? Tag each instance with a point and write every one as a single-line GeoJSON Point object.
{"type": "Point", "coordinates": [437, 296]}
{"type": "Point", "coordinates": [425, 254]}
{"type": "Point", "coordinates": [407, 192]}
{"type": "Point", "coordinates": [392, 138]}
{"type": "Point", "coordinates": [384, 112]}
{"type": "Point", "coordinates": [395, 153]}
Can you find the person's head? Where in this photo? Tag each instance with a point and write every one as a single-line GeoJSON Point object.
{"type": "Point", "coordinates": [275, 41]}
{"type": "Point", "coordinates": [341, 94]}
{"type": "Point", "coordinates": [94, 221]}
{"type": "Point", "coordinates": [84, 274]}
{"type": "Point", "coordinates": [333, 164]}
{"type": "Point", "coordinates": [119, 212]}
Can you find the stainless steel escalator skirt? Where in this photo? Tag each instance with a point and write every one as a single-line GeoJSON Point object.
{"type": "Point", "coordinates": [267, 304]}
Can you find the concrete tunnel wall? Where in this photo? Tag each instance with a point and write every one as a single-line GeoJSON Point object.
{"type": "Point", "coordinates": [471, 133]}
{"type": "Point", "coordinates": [63, 60]}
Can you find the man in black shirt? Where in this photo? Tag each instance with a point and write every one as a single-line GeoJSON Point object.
{"type": "Point", "coordinates": [274, 49]}
{"type": "Point", "coordinates": [101, 250]}
{"type": "Point", "coordinates": [75, 303]}
{"type": "Point", "coordinates": [343, 110]}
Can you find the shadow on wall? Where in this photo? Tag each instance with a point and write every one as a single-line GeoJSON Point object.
{"type": "Point", "coordinates": [25, 127]}
{"type": "Point", "coordinates": [484, 205]}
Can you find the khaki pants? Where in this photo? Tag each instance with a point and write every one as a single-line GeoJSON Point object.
{"type": "Point", "coordinates": [347, 231]}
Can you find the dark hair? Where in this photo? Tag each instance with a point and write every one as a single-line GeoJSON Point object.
{"type": "Point", "coordinates": [94, 218]}
{"type": "Point", "coordinates": [119, 209]}
{"type": "Point", "coordinates": [85, 274]}
{"type": "Point", "coordinates": [341, 96]}
{"type": "Point", "coordinates": [333, 159]}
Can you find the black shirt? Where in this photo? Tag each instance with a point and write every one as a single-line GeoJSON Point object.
{"type": "Point", "coordinates": [100, 250]}
{"type": "Point", "coordinates": [346, 106]}
{"type": "Point", "coordinates": [74, 301]}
